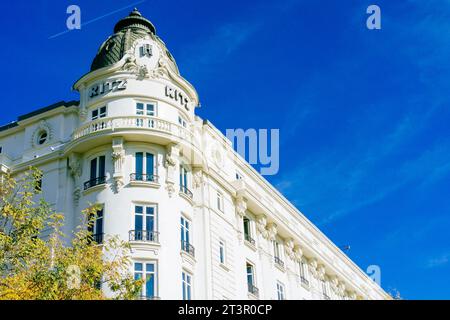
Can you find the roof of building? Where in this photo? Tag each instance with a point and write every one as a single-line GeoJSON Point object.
{"type": "Point", "coordinates": [126, 32]}
{"type": "Point", "coordinates": [37, 112]}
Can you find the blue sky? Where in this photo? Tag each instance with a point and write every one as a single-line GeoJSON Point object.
{"type": "Point", "coordinates": [363, 115]}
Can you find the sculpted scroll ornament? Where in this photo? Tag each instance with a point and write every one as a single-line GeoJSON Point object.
{"type": "Point", "coordinates": [272, 230]}
{"type": "Point", "coordinates": [75, 165]}
{"type": "Point", "coordinates": [261, 223]}
{"type": "Point", "coordinates": [76, 196]}
{"type": "Point", "coordinates": [198, 178]}
{"type": "Point", "coordinates": [241, 206]}
{"type": "Point", "coordinates": [321, 272]}
{"type": "Point", "coordinates": [118, 157]}
{"type": "Point", "coordinates": [313, 267]}
{"type": "Point", "coordinates": [298, 253]}
{"type": "Point", "coordinates": [170, 163]}
{"type": "Point", "coordinates": [289, 248]}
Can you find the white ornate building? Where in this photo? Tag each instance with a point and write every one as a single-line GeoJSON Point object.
{"type": "Point", "coordinates": [203, 224]}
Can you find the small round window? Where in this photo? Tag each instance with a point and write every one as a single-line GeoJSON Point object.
{"type": "Point", "coordinates": [42, 138]}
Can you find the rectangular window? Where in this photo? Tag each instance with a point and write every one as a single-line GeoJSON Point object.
{"type": "Point", "coordinates": [144, 224]}
{"type": "Point", "coordinates": [187, 285]}
{"type": "Point", "coordinates": [144, 166]}
{"type": "Point", "coordinates": [183, 177]}
{"type": "Point", "coordinates": [248, 231]}
{"type": "Point", "coordinates": [96, 226]}
{"type": "Point", "coordinates": [182, 122]}
{"type": "Point", "coordinates": [280, 291]}
{"type": "Point", "coordinates": [147, 272]}
{"type": "Point", "coordinates": [251, 278]}
{"type": "Point", "coordinates": [219, 201]}
{"type": "Point", "coordinates": [98, 168]}
{"type": "Point", "coordinates": [145, 109]}
{"type": "Point", "coordinates": [185, 233]}
{"type": "Point", "coordinates": [304, 272]}
{"type": "Point", "coordinates": [222, 251]}
{"type": "Point", "coordinates": [99, 113]}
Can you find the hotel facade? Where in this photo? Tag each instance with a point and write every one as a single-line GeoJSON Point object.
{"type": "Point", "coordinates": [202, 222]}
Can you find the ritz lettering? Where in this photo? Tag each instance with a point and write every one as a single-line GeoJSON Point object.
{"type": "Point", "coordinates": [106, 87]}
{"type": "Point", "coordinates": [178, 96]}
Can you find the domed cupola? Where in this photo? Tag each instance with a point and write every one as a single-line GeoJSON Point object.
{"type": "Point", "coordinates": [126, 32]}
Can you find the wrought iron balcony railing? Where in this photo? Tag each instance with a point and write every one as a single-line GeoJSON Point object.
{"type": "Point", "coordinates": [188, 248]}
{"type": "Point", "coordinates": [249, 239]}
{"type": "Point", "coordinates": [253, 290]}
{"type": "Point", "coordinates": [144, 235]}
{"type": "Point", "coordinates": [98, 238]}
{"type": "Point", "coordinates": [94, 182]}
{"type": "Point", "coordinates": [279, 262]}
{"type": "Point", "coordinates": [144, 177]}
{"type": "Point", "coordinates": [186, 191]}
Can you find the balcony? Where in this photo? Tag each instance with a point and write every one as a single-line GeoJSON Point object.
{"type": "Point", "coordinates": [185, 191]}
{"type": "Point", "coordinates": [140, 177]}
{"type": "Point", "coordinates": [279, 262]}
{"type": "Point", "coordinates": [249, 239]}
{"type": "Point", "coordinates": [94, 182]}
{"type": "Point", "coordinates": [188, 248]}
{"type": "Point", "coordinates": [114, 124]}
{"type": "Point", "coordinates": [253, 290]}
{"type": "Point", "coordinates": [96, 238]}
{"type": "Point", "coordinates": [144, 235]}
{"type": "Point", "coordinates": [304, 281]}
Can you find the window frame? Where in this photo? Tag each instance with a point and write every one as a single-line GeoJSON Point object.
{"type": "Point", "coordinates": [186, 282]}
{"type": "Point", "coordinates": [222, 252]}
{"type": "Point", "coordinates": [144, 274]}
{"type": "Point", "coordinates": [220, 201]}
{"type": "Point", "coordinates": [100, 114]}
{"type": "Point", "coordinates": [145, 110]}
{"type": "Point", "coordinates": [281, 291]}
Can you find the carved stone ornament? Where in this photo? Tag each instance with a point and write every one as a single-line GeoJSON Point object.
{"type": "Point", "coordinates": [43, 127]}
{"type": "Point", "coordinates": [170, 163]}
{"type": "Point", "coordinates": [272, 230]}
{"type": "Point", "coordinates": [334, 281]}
{"type": "Point", "coordinates": [130, 64]}
{"type": "Point", "coordinates": [75, 165]}
{"type": "Point", "coordinates": [321, 272]}
{"type": "Point", "coordinates": [261, 223]}
{"type": "Point", "coordinates": [76, 196]}
{"type": "Point", "coordinates": [313, 267]}
{"type": "Point", "coordinates": [298, 253]}
{"type": "Point", "coordinates": [241, 206]}
{"type": "Point", "coordinates": [341, 289]}
{"type": "Point", "coordinates": [118, 157]}
{"type": "Point", "coordinates": [289, 248]}
{"type": "Point", "coordinates": [197, 178]}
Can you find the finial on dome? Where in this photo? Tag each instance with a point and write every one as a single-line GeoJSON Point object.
{"type": "Point", "coordinates": [135, 12]}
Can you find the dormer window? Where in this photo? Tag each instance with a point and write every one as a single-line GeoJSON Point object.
{"type": "Point", "coordinates": [145, 109]}
{"type": "Point", "coordinates": [99, 113]}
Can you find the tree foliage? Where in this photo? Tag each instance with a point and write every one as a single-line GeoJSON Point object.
{"type": "Point", "coordinates": [38, 261]}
